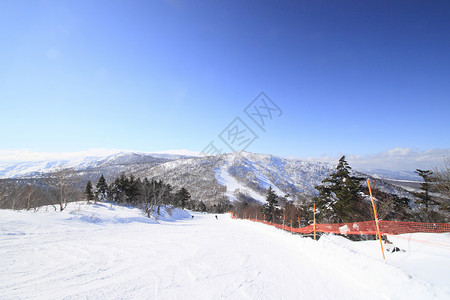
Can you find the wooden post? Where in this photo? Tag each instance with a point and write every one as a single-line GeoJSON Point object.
{"type": "Point", "coordinates": [314, 221]}
{"type": "Point", "coordinates": [376, 218]}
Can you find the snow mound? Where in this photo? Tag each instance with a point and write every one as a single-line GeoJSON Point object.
{"type": "Point", "coordinates": [170, 214]}
{"type": "Point", "coordinates": [103, 213]}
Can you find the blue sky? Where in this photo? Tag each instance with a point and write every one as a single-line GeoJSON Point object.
{"type": "Point", "coordinates": [351, 77]}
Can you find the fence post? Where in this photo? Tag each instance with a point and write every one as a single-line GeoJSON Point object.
{"type": "Point", "coordinates": [314, 221]}
{"type": "Point", "coordinates": [376, 218]}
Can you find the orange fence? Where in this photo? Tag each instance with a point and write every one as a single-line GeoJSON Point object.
{"type": "Point", "coordinates": [365, 228]}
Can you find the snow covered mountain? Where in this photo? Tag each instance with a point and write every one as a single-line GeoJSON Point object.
{"type": "Point", "coordinates": [228, 176]}
{"type": "Point", "coordinates": [115, 164]}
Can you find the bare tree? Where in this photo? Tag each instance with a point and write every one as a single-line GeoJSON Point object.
{"type": "Point", "coordinates": [146, 198]}
{"type": "Point", "coordinates": [28, 194]}
{"type": "Point", "coordinates": [441, 179]}
{"type": "Point", "coordinates": [153, 194]}
{"type": "Point", "coordinates": [441, 184]}
{"type": "Point", "coordinates": [63, 182]}
{"type": "Point", "coordinates": [5, 195]}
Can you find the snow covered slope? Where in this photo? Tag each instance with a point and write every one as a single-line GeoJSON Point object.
{"type": "Point", "coordinates": [255, 173]}
{"type": "Point", "coordinates": [226, 176]}
{"type": "Point", "coordinates": [111, 252]}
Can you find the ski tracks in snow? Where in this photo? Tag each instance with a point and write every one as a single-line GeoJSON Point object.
{"type": "Point", "coordinates": [56, 256]}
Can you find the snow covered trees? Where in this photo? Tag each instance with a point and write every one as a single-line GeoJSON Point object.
{"type": "Point", "coordinates": [269, 208]}
{"type": "Point", "coordinates": [145, 194]}
{"type": "Point", "coordinates": [124, 189]}
{"type": "Point", "coordinates": [101, 189]}
{"type": "Point", "coordinates": [339, 197]}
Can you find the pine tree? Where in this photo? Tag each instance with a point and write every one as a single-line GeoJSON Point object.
{"type": "Point", "coordinates": [269, 208]}
{"type": "Point", "coordinates": [101, 189]}
{"type": "Point", "coordinates": [424, 199]}
{"type": "Point", "coordinates": [338, 198]}
{"type": "Point", "coordinates": [202, 206]}
{"type": "Point", "coordinates": [183, 197]}
{"type": "Point", "coordinates": [89, 195]}
{"type": "Point", "coordinates": [424, 196]}
{"type": "Point", "coordinates": [132, 189]}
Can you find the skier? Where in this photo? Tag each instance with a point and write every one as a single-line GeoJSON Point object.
{"type": "Point", "coordinates": [217, 218]}
{"type": "Point", "coordinates": [192, 217]}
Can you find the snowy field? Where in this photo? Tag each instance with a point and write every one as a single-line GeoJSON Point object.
{"type": "Point", "coordinates": [104, 252]}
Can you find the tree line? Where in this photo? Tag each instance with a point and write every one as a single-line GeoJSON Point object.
{"type": "Point", "coordinates": [63, 186]}
{"type": "Point", "coordinates": [147, 194]}
{"type": "Point", "coordinates": [342, 197]}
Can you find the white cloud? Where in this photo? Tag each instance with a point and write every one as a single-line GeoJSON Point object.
{"type": "Point", "coordinates": [28, 156]}
{"type": "Point", "coordinates": [15, 156]}
{"type": "Point", "coordinates": [397, 159]}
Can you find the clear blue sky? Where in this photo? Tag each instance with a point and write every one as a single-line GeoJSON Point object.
{"type": "Point", "coordinates": [354, 77]}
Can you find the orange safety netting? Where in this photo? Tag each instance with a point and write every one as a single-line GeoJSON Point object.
{"type": "Point", "coordinates": [365, 228]}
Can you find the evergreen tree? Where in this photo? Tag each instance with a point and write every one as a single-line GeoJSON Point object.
{"type": "Point", "coordinates": [89, 195]}
{"type": "Point", "coordinates": [424, 196]}
{"type": "Point", "coordinates": [202, 207]}
{"type": "Point", "coordinates": [101, 189]}
{"type": "Point", "coordinates": [338, 198]}
{"type": "Point", "coordinates": [183, 197]}
{"type": "Point", "coordinates": [269, 208]}
{"type": "Point", "coordinates": [424, 200]}
{"type": "Point", "coordinates": [132, 189]}
{"type": "Point", "coordinates": [120, 188]}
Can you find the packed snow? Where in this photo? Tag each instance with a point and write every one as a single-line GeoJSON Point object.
{"type": "Point", "coordinates": [106, 251]}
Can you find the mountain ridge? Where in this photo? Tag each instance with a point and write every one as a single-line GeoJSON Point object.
{"type": "Point", "coordinates": [228, 176]}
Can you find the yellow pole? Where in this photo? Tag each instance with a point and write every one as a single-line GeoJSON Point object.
{"type": "Point", "coordinates": [314, 221]}
{"type": "Point", "coordinates": [376, 218]}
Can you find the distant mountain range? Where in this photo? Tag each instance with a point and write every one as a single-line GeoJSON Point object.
{"type": "Point", "coordinates": [213, 178]}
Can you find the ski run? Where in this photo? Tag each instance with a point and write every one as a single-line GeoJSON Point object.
{"type": "Point", "coordinates": [106, 251]}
